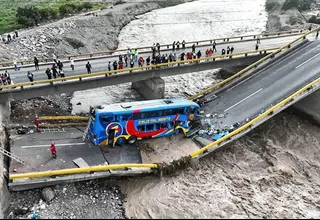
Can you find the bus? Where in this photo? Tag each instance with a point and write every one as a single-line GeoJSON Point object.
{"type": "Point", "coordinates": [131, 121]}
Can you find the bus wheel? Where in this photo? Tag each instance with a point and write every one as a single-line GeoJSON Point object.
{"type": "Point", "coordinates": [121, 140]}
{"type": "Point", "coordinates": [132, 139]}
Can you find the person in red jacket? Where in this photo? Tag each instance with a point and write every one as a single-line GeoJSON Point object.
{"type": "Point", "coordinates": [53, 150]}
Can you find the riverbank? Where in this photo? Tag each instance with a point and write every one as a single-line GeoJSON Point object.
{"type": "Point", "coordinates": [82, 33]}
{"type": "Point", "coordinates": [283, 20]}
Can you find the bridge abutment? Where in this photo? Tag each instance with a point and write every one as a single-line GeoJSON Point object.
{"type": "Point", "coordinates": [309, 106]}
{"type": "Point", "coordinates": [5, 110]}
{"type": "Point", "coordinates": [152, 88]}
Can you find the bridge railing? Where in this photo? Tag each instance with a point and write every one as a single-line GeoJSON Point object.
{"type": "Point", "coordinates": [155, 67]}
{"type": "Point", "coordinates": [163, 47]}
{"type": "Point", "coordinates": [270, 111]}
{"type": "Point", "coordinates": [250, 67]}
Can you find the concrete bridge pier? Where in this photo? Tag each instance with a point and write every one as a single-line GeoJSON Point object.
{"type": "Point", "coordinates": [309, 106]}
{"type": "Point", "coordinates": [152, 88]}
{"type": "Point", "coordinates": [5, 112]}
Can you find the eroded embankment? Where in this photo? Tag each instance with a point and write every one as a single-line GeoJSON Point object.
{"type": "Point", "coordinates": [273, 172]}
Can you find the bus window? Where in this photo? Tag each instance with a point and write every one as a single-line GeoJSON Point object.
{"type": "Point", "coordinates": [136, 116]}
{"type": "Point", "coordinates": [106, 119]}
{"type": "Point", "coordinates": [150, 127]}
{"type": "Point", "coordinates": [163, 125]}
{"type": "Point", "coordinates": [141, 128]}
{"type": "Point", "coordinates": [158, 126]}
{"type": "Point", "coordinates": [124, 117]}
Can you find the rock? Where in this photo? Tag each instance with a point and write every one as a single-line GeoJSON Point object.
{"type": "Point", "coordinates": [43, 206]}
{"type": "Point", "coordinates": [48, 194]}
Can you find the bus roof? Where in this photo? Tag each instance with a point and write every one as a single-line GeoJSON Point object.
{"type": "Point", "coordinates": [144, 106]}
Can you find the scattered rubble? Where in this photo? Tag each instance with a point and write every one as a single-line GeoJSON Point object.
{"type": "Point", "coordinates": [91, 199]}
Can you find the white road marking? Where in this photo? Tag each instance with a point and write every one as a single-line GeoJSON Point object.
{"type": "Point", "coordinates": [307, 60]}
{"type": "Point", "coordinates": [243, 100]}
{"type": "Point", "coordinates": [48, 145]}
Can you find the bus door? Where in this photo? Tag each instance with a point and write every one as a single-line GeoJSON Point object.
{"type": "Point", "coordinates": [111, 136]}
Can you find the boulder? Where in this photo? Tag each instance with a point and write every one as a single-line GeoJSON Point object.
{"type": "Point", "coordinates": [47, 194]}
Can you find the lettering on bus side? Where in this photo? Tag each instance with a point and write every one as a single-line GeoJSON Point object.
{"type": "Point", "coordinates": [153, 120]}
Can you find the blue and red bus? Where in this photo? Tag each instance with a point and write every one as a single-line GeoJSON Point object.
{"type": "Point", "coordinates": [131, 121]}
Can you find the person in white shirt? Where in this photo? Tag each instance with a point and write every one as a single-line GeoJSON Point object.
{"type": "Point", "coordinates": [72, 64]}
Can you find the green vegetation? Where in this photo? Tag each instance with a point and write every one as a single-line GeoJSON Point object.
{"type": "Point", "coordinates": [301, 5]}
{"type": "Point", "coordinates": [271, 5]}
{"type": "Point", "coordinates": [169, 3]}
{"type": "Point", "coordinates": [16, 14]}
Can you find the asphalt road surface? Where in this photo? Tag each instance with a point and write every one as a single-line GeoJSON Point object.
{"type": "Point", "coordinates": [99, 65]}
{"type": "Point", "coordinates": [267, 87]}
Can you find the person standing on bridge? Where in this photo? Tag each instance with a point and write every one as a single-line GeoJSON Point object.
{"type": "Point", "coordinates": [193, 48]}
{"type": "Point", "coordinates": [72, 64]}
{"type": "Point", "coordinates": [30, 76]}
{"type": "Point", "coordinates": [88, 67]}
{"type": "Point", "coordinates": [228, 49]}
{"type": "Point", "coordinates": [53, 150]}
{"type": "Point", "coordinates": [36, 63]}
{"type": "Point", "coordinates": [15, 65]}
{"type": "Point", "coordinates": [231, 49]}
{"type": "Point", "coordinates": [173, 46]}
{"type": "Point", "coordinates": [158, 47]}
{"type": "Point", "coordinates": [54, 71]}
{"type": "Point", "coordinates": [60, 65]}
{"type": "Point", "coordinates": [131, 64]}
{"type": "Point", "coordinates": [48, 72]}
{"type": "Point", "coordinates": [178, 45]}
{"type": "Point", "coordinates": [317, 34]}
{"type": "Point", "coordinates": [109, 66]}
{"type": "Point", "coordinates": [183, 45]}
{"type": "Point", "coordinates": [54, 57]}
{"type": "Point", "coordinates": [148, 60]}
{"type": "Point", "coordinates": [257, 46]}
{"type": "Point", "coordinates": [223, 51]}
{"type": "Point", "coordinates": [115, 65]}
{"type": "Point", "coordinates": [258, 39]}
{"type": "Point", "coordinates": [214, 46]}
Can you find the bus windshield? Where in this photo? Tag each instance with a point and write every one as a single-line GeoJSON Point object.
{"type": "Point", "coordinates": [128, 122]}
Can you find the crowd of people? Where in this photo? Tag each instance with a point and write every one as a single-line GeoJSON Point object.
{"type": "Point", "coordinates": [129, 59]}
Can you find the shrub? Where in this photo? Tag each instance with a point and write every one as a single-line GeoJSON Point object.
{"type": "Point", "coordinates": [74, 42]}
{"type": "Point", "coordinates": [299, 4]}
{"type": "Point", "coordinates": [272, 5]}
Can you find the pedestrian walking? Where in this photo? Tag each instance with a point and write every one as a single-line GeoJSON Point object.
{"type": "Point", "coordinates": [173, 45]}
{"type": "Point", "coordinates": [53, 150]}
{"type": "Point", "coordinates": [15, 65]}
{"type": "Point", "coordinates": [148, 60]}
{"type": "Point", "coordinates": [131, 64]}
{"type": "Point", "coordinates": [228, 49]}
{"type": "Point", "coordinates": [30, 76]}
{"type": "Point", "coordinates": [36, 63]}
{"type": "Point", "coordinates": [16, 33]}
{"type": "Point", "coordinates": [115, 65]}
{"type": "Point", "coordinates": [258, 39]}
{"type": "Point", "coordinates": [257, 46]}
{"type": "Point", "coordinates": [317, 34]}
{"type": "Point", "coordinates": [72, 64]}
{"type": "Point", "coordinates": [88, 67]}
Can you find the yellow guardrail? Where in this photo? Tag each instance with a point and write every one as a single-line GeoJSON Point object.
{"type": "Point", "coordinates": [255, 120]}
{"type": "Point", "coordinates": [80, 170]}
{"type": "Point", "coordinates": [60, 125]}
{"type": "Point", "coordinates": [82, 76]}
{"type": "Point", "coordinates": [263, 35]}
{"type": "Point", "coordinates": [266, 113]}
{"type": "Point", "coordinates": [218, 85]}
{"type": "Point", "coordinates": [70, 117]}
